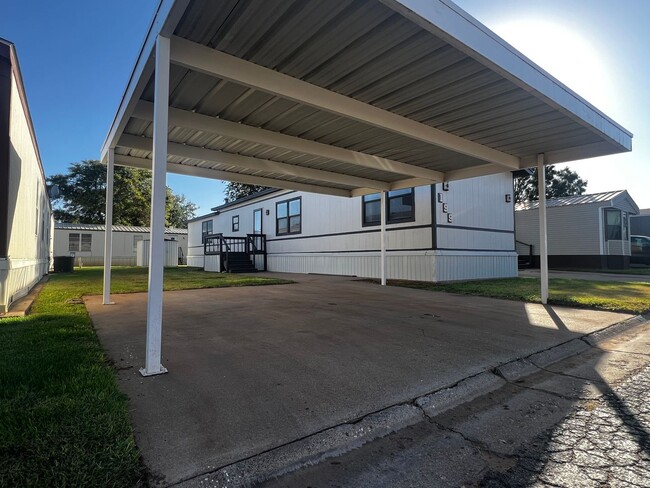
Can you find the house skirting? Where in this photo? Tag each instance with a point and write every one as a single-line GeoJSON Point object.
{"type": "Point", "coordinates": [17, 277]}
{"type": "Point", "coordinates": [406, 265]}
{"type": "Point", "coordinates": [594, 261]}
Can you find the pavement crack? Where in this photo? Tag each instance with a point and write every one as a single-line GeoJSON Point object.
{"type": "Point", "coordinates": [474, 442]}
{"type": "Point", "coordinates": [553, 393]}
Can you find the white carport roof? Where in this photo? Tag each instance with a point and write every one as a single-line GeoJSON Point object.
{"type": "Point", "coordinates": [348, 97]}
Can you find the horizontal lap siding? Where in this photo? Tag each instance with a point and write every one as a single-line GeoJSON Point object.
{"type": "Point", "coordinates": [572, 229]}
{"type": "Point", "coordinates": [473, 239]}
{"type": "Point", "coordinates": [28, 211]}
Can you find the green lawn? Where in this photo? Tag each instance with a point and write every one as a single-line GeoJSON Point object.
{"type": "Point", "coordinates": [643, 271]}
{"type": "Point", "coordinates": [633, 297]}
{"type": "Point", "coordinates": [63, 421]}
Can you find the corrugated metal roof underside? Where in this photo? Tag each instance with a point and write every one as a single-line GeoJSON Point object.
{"type": "Point", "coordinates": [116, 228]}
{"type": "Point", "coordinates": [364, 50]}
{"type": "Point", "coordinates": [573, 200]}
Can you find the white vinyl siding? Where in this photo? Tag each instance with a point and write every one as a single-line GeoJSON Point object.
{"type": "Point", "coordinates": [27, 257]}
{"type": "Point", "coordinates": [92, 253]}
{"type": "Point", "coordinates": [333, 239]}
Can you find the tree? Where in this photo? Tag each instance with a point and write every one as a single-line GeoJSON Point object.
{"type": "Point", "coordinates": [235, 191]}
{"type": "Point", "coordinates": [559, 183]}
{"type": "Point", "coordinates": [82, 197]}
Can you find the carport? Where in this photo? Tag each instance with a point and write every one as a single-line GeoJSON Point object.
{"type": "Point", "coordinates": [342, 97]}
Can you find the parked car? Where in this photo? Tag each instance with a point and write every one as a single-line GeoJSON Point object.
{"type": "Point", "coordinates": [640, 250]}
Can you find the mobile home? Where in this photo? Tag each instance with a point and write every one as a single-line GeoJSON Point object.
{"type": "Point", "coordinates": [25, 211]}
{"type": "Point", "coordinates": [584, 231]}
{"type": "Point", "coordinates": [455, 231]}
{"type": "Point", "coordinates": [86, 241]}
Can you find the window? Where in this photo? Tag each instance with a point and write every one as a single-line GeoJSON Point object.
{"type": "Point", "coordinates": [136, 239]}
{"type": "Point", "coordinates": [612, 224]}
{"type": "Point", "coordinates": [372, 209]}
{"type": "Point", "coordinates": [257, 221]}
{"type": "Point", "coordinates": [400, 207]}
{"type": "Point", "coordinates": [73, 242]}
{"type": "Point", "coordinates": [235, 223]}
{"type": "Point", "coordinates": [288, 216]}
{"type": "Point", "coordinates": [80, 242]}
{"type": "Point", "coordinates": [206, 230]}
{"type": "Point", "coordinates": [86, 242]}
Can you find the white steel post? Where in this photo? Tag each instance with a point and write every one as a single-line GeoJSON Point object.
{"type": "Point", "coordinates": [543, 250]}
{"type": "Point", "coordinates": [108, 234]}
{"type": "Point", "coordinates": [383, 238]}
{"type": "Point", "coordinates": [153, 364]}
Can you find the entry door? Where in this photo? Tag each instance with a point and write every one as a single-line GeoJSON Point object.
{"type": "Point", "coordinates": [257, 221]}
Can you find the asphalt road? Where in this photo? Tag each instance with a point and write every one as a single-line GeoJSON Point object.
{"type": "Point", "coordinates": [583, 422]}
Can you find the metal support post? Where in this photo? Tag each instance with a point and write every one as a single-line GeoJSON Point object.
{"type": "Point", "coordinates": [153, 364]}
{"type": "Point", "coordinates": [108, 234]}
{"type": "Point", "coordinates": [543, 249]}
{"type": "Point", "coordinates": [383, 238]}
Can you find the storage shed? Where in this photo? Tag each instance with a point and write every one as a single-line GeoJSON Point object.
{"type": "Point", "coordinates": [86, 241]}
{"type": "Point", "coordinates": [584, 231]}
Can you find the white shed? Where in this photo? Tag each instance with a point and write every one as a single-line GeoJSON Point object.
{"type": "Point", "coordinates": [86, 241]}
{"type": "Point", "coordinates": [25, 212]}
{"type": "Point", "coordinates": [584, 231]}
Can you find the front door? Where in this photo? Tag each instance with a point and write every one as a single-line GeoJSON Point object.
{"type": "Point", "coordinates": [257, 221]}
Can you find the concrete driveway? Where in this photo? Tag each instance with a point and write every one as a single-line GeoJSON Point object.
{"type": "Point", "coordinates": [254, 368]}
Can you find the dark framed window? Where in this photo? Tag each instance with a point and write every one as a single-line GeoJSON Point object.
{"type": "Point", "coordinates": [371, 209]}
{"type": "Point", "coordinates": [257, 221]}
{"type": "Point", "coordinates": [400, 207]}
{"type": "Point", "coordinates": [80, 242]}
{"type": "Point", "coordinates": [613, 224]}
{"type": "Point", "coordinates": [206, 230]}
{"type": "Point", "coordinates": [288, 216]}
{"type": "Point", "coordinates": [235, 223]}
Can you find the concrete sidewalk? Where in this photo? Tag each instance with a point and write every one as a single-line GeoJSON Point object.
{"type": "Point", "coordinates": [254, 368]}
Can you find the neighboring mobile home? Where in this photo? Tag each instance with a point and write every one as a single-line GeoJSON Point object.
{"type": "Point", "coordinates": [25, 211]}
{"type": "Point", "coordinates": [86, 241]}
{"type": "Point", "coordinates": [640, 224]}
{"type": "Point", "coordinates": [456, 231]}
{"type": "Point", "coordinates": [584, 231]}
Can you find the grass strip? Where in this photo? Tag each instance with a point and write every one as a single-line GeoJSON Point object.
{"type": "Point", "coordinates": [627, 297]}
{"type": "Point", "coordinates": [63, 420]}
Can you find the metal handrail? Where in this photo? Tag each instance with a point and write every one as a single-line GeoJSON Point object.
{"type": "Point", "coordinates": [218, 244]}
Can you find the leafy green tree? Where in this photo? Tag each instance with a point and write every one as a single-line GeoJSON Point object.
{"type": "Point", "coordinates": [82, 197]}
{"type": "Point", "coordinates": [235, 191]}
{"type": "Point", "coordinates": [559, 183]}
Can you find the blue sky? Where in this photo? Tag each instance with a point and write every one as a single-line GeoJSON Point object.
{"type": "Point", "coordinates": [76, 57]}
